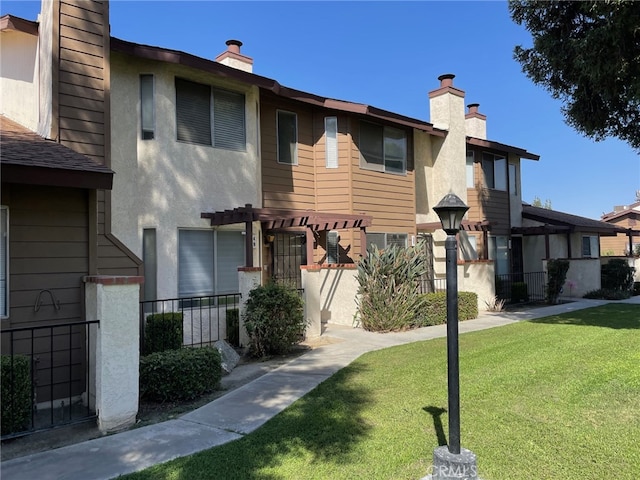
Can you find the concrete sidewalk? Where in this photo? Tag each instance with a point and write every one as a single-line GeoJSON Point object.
{"type": "Point", "coordinates": [241, 411]}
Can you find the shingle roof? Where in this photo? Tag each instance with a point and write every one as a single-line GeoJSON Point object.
{"type": "Point", "coordinates": [26, 157]}
{"type": "Point", "coordinates": [577, 223]}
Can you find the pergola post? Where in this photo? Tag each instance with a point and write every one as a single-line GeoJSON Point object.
{"type": "Point", "coordinates": [363, 240]}
{"type": "Point", "coordinates": [309, 245]}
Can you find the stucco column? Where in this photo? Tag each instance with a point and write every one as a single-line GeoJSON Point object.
{"type": "Point", "coordinates": [114, 301]}
{"type": "Point", "coordinates": [248, 279]}
{"type": "Point", "coordinates": [311, 284]}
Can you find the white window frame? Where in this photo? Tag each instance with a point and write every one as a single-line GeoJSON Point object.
{"type": "Point", "coordinates": [333, 247]}
{"type": "Point", "coordinates": [513, 179]}
{"type": "Point", "coordinates": [212, 116]}
{"type": "Point", "coordinates": [387, 240]}
{"type": "Point", "coordinates": [383, 167]}
{"type": "Point", "coordinates": [294, 159]}
{"type": "Point", "coordinates": [147, 133]}
{"type": "Point", "coordinates": [468, 247]}
{"type": "Point", "coordinates": [593, 244]}
{"type": "Point", "coordinates": [492, 181]}
{"type": "Point", "coordinates": [470, 169]}
{"type": "Point", "coordinates": [4, 260]}
{"type": "Point", "coordinates": [331, 142]}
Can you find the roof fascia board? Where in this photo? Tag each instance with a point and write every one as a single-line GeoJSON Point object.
{"type": "Point", "coordinates": [56, 177]}
{"type": "Point", "coordinates": [522, 153]}
{"type": "Point", "coordinates": [11, 23]}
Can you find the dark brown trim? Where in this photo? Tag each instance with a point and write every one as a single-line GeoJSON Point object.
{"type": "Point", "coordinates": [266, 84]}
{"type": "Point", "coordinates": [55, 177]}
{"type": "Point", "coordinates": [448, 89]}
{"type": "Point", "coordinates": [501, 147]}
{"type": "Point", "coordinates": [466, 225]}
{"type": "Point", "coordinates": [124, 249]}
{"type": "Point", "coordinates": [9, 22]}
{"type": "Point", "coordinates": [114, 279]}
{"type": "Point", "coordinates": [54, 133]}
{"type": "Point", "coordinates": [93, 232]}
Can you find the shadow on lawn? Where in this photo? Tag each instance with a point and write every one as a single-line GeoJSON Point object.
{"type": "Point", "coordinates": [618, 316]}
{"type": "Point", "coordinates": [323, 426]}
{"type": "Point", "coordinates": [436, 413]}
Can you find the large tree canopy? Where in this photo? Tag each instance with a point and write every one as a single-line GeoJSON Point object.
{"type": "Point", "coordinates": [587, 54]}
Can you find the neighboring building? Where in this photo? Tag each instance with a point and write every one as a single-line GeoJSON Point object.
{"type": "Point", "coordinates": [628, 243]}
{"type": "Point", "coordinates": [56, 197]}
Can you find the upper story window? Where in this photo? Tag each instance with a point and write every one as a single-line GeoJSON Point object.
{"type": "Point", "coordinates": [209, 116]}
{"type": "Point", "coordinates": [147, 107]}
{"type": "Point", "coordinates": [383, 149]}
{"type": "Point", "coordinates": [331, 142]}
{"type": "Point", "coordinates": [494, 168]}
{"type": "Point", "coordinates": [513, 179]}
{"type": "Point", "coordinates": [470, 176]}
{"type": "Point", "coordinates": [4, 261]}
{"type": "Point", "coordinates": [287, 132]}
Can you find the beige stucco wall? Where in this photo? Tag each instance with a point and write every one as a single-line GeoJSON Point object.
{"type": "Point", "coordinates": [338, 290]}
{"type": "Point", "coordinates": [476, 127]}
{"type": "Point", "coordinates": [478, 278]}
{"type": "Point", "coordinates": [19, 77]}
{"type": "Point", "coordinates": [117, 349]}
{"type": "Point", "coordinates": [166, 184]}
{"type": "Point", "coordinates": [423, 155]}
{"type": "Point", "coordinates": [583, 274]}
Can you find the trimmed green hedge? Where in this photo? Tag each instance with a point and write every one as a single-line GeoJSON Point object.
{"type": "Point", "coordinates": [434, 309]}
{"type": "Point", "coordinates": [16, 393]}
{"type": "Point", "coordinates": [163, 331]}
{"type": "Point", "coordinates": [183, 374]}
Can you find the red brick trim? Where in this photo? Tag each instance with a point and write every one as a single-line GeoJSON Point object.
{"type": "Point", "coordinates": [464, 262]}
{"type": "Point", "coordinates": [314, 268]}
{"type": "Point", "coordinates": [249, 269]}
{"type": "Point", "coordinates": [113, 280]}
{"type": "Point", "coordinates": [442, 90]}
{"type": "Point", "coordinates": [347, 266]}
{"type": "Point", "coordinates": [478, 115]}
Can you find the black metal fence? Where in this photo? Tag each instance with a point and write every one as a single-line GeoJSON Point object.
{"type": "Point", "coordinates": [430, 285]}
{"type": "Point", "coordinates": [521, 287]}
{"type": "Point", "coordinates": [48, 376]}
{"type": "Point", "coordinates": [205, 319]}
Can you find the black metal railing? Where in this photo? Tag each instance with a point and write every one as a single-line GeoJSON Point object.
{"type": "Point", "coordinates": [430, 285]}
{"type": "Point", "coordinates": [204, 319]}
{"type": "Point", "coordinates": [521, 287]}
{"type": "Point", "coordinates": [48, 376]}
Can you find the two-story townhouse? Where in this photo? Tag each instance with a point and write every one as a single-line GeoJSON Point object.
{"type": "Point", "coordinates": [628, 243]}
{"type": "Point", "coordinates": [55, 227]}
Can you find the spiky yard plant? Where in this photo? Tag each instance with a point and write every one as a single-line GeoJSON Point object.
{"type": "Point", "coordinates": [388, 288]}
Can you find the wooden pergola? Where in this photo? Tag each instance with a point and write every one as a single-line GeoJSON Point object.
{"type": "Point", "coordinates": [281, 219]}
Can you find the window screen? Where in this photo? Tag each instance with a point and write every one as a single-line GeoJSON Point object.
{"type": "Point", "coordinates": [229, 120]}
{"type": "Point", "coordinates": [333, 255]}
{"type": "Point", "coordinates": [287, 138]}
{"type": "Point", "coordinates": [147, 107]}
{"type": "Point", "coordinates": [195, 263]}
{"type": "Point", "coordinates": [193, 112]}
{"type": "Point", "coordinates": [372, 146]}
{"type": "Point", "coordinates": [331, 142]}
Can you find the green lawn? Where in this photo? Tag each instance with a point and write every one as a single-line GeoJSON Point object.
{"type": "Point", "coordinates": [557, 398]}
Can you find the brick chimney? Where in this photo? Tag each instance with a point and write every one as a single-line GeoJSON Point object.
{"type": "Point", "coordinates": [475, 122]}
{"type": "Point", "coordinates": [233, 58]}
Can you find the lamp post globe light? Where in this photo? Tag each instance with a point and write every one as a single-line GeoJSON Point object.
{"type": "Point", "coordinates": [452, 462]}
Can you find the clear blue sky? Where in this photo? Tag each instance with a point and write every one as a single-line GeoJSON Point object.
{"type": "Point", "coordinates": [389, 54]}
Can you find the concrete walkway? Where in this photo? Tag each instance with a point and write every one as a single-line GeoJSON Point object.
{"type": "Point", "coordinates": [240, 411]}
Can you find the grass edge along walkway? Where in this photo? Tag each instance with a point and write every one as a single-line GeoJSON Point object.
{"type": "Point", "coordinates": [553, 398]}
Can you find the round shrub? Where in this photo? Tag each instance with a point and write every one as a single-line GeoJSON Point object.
{"type": "Point", "coordinates": [274, 319]}
{"type": "Point", "coordinates": [183, 374]}
{"type": "Point", "coordinates": [162, 331]}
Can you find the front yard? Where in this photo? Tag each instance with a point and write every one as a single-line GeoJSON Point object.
{"type": "Point", "coordinates": [555, 398]}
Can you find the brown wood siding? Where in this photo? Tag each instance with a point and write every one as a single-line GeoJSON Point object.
{"type": "Point", "coordinates": [389, 198]}
{"type": "Point", "coordinates": [287, 186]}
{"type": "Point", "coordinates": [48, 247]}
{"type": "Point", "coordinates": [488, 204]}
{"type": "Point", "coordinates": [619, 245]}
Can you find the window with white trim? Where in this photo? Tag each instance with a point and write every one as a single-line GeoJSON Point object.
{"type": "Point", "coordinates": [208, 262]}
{"type": "Point", "coordinates": [150, 262]}
{"type": "Point", "coordinates": [513, 179]}
{"type": "Point", "coordinates": [494, 168]}
{"type": "Point", "coordinates": [383, 149]}
{"type": "Point", "coordinates": [287, 133]}
{"type": "Point", "coordinates": [331, 142]}
{"type": "Point", "coordinates": [210, 116]}
{"type": "Point", "coordinates": [470, 176]}
{"type": "Point", "coordinates": [590, 246]}
{"type": "Point", "coordinates": [384, 240]}
{"type": "Point", "coordinates": [4, 261]}
{"type": "Point", "coordinates": [333, 254]}
{"type": "Point", "coordinates": [499, 253]}
{"type": "Point", "coordinates": [468, 247]}
{"type": "Point", "coordinates": [147, 107]}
